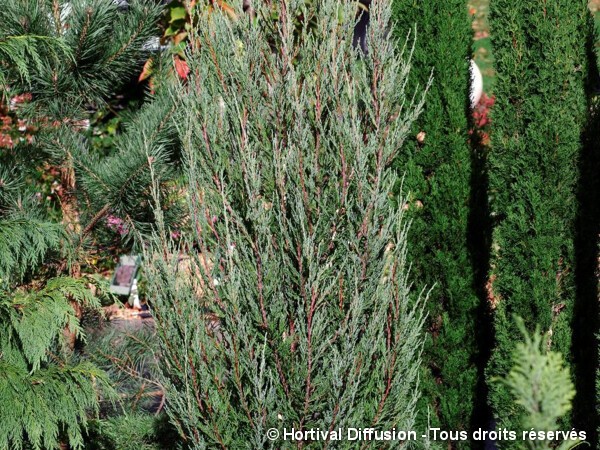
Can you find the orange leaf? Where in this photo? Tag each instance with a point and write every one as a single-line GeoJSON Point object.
{"type": "Point", "coordinates": [180, 37]}
{"type": "Point", "coordinates": [146, 71]}
{"type": "Point", "coordinates": [228, 9]}
{"type": "Point", "coordinates": [182, 68]}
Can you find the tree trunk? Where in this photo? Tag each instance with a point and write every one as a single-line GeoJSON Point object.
{"type": "Point", "coordinates": [70, 218]}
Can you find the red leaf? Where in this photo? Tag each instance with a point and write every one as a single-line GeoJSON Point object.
{"type": "Point", "coordinates": [182, 68]}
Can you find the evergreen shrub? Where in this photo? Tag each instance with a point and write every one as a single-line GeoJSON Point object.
{"type": "Point", "coordinates": [291, 308]}
{"type": "Point", "coordinates": [542, 108]}
{"type": "Point", "coordinates": [438, 170]}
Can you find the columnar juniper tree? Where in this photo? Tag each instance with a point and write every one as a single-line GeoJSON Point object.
{"type": "Point", "coordinates": [437, 167]}
{"type": "Point", "coordinates": [539, 119]}
{"type": "Point", "coordinates": [293, 308]}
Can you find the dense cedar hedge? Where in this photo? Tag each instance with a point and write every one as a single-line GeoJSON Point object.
{"type": "Point", "coordinates": [438, 170]}
{"type": "Point", "coordinates": [539, 122]}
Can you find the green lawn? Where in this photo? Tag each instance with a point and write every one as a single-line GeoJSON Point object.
{"type": "Point", "coordinates": [595, 7]}
{"type": "Point", "coordinates": [482, 46]}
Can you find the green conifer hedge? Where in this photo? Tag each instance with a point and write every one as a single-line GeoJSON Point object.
{"type": "Point", "coordinates": [539, 120]}
{"type": "Point", "coordinates": [438, 170]}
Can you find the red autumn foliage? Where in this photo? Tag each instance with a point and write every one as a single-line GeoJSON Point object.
{"type": "Point", "coordinates": [481, 118]}
{"type": "Point", "coordinates": [181, 67]}
{"type": "Point", "coordinates": [13, 129]}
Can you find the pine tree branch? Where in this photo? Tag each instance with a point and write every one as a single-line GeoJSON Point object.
{"type": "Point", "coordinates": [142, 24]}
{"type": "Point", "coordinates": [83, 34]}
{"type": "Point", "coordinates": [57, 19]}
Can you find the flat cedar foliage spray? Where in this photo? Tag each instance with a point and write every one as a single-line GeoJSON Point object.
{"type": "Point", "coordinates": [541, 385]}
{"type": "Point", "coordinates": [539, 119]}
{"type": "Point", "coordinates": [437, 168]}
{"type": "Point", "coordinates": [289, 306]}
